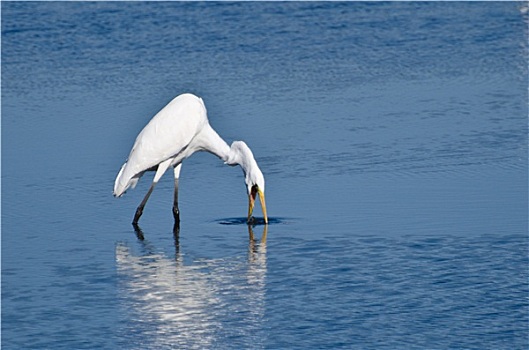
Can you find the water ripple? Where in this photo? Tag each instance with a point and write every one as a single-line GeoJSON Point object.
{"type": "Point", "coordinates": [401, 293]}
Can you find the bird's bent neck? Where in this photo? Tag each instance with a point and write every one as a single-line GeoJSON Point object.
{"type": "Point", "coordinates": [213, 143]}
{"type": "Point", "coordinates": [241, 154]}
{"type": "Point", "coordinates": [238, 154]}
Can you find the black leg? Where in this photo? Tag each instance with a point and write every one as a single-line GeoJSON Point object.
{"type": "Point", "coordinates": [139, 211]}
{"type": "Point", "coordinates": [176, 211]}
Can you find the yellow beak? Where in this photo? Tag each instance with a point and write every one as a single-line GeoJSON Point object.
{"type": "Point", "coordinates": [251, 203]}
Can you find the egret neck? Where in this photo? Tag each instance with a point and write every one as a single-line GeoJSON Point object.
{"type": "Point", "coordinates": [238, 154]}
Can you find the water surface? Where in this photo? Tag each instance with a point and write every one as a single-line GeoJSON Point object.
{"type": "Point", "coordinates": [393, 140]}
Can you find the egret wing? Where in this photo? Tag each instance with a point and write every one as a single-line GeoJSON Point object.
{"type": "Point", "coordinates": [167, 135]}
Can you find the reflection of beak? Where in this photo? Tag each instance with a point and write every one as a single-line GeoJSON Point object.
{"type": "Point", "coordinates": [263, 236]}
{"type": "Point", "coordinates": [265, 233]}
{"type": "Point", "coordinates": [256, 190]}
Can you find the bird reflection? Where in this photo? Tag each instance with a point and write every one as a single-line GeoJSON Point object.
{"type": "Point", "coordinates": [139, 231]}
{"type": "Point", "coordinates": [176, 236]}
{"type": "Point", "coordinates": [198, 305]}
{"type": "Point", "coordinates": [257, 249]}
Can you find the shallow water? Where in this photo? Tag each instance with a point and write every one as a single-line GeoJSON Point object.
{"type": "Point", "coordinates": [393, 140]}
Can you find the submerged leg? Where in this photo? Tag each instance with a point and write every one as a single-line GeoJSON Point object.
{"type": "Point", "coordinates": [162, 167]}
{"type": "Point", "coordinates": [176, 211]}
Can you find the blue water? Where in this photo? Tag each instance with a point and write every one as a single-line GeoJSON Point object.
{"type": "Point", "coordinates": [393, 140]}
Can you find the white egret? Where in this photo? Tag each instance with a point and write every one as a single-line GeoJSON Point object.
{"type": "Point", "coordinates": [176, 132]}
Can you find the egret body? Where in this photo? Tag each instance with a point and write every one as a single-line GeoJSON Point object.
{"type": "Point", "coordinates": [176, 132]}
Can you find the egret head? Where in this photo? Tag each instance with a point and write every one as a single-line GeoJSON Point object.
{"type": "Point", "coordinates": [241, 154]}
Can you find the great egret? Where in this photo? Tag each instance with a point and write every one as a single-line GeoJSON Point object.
{"type": "Point", "coordinates": [176, 132]}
